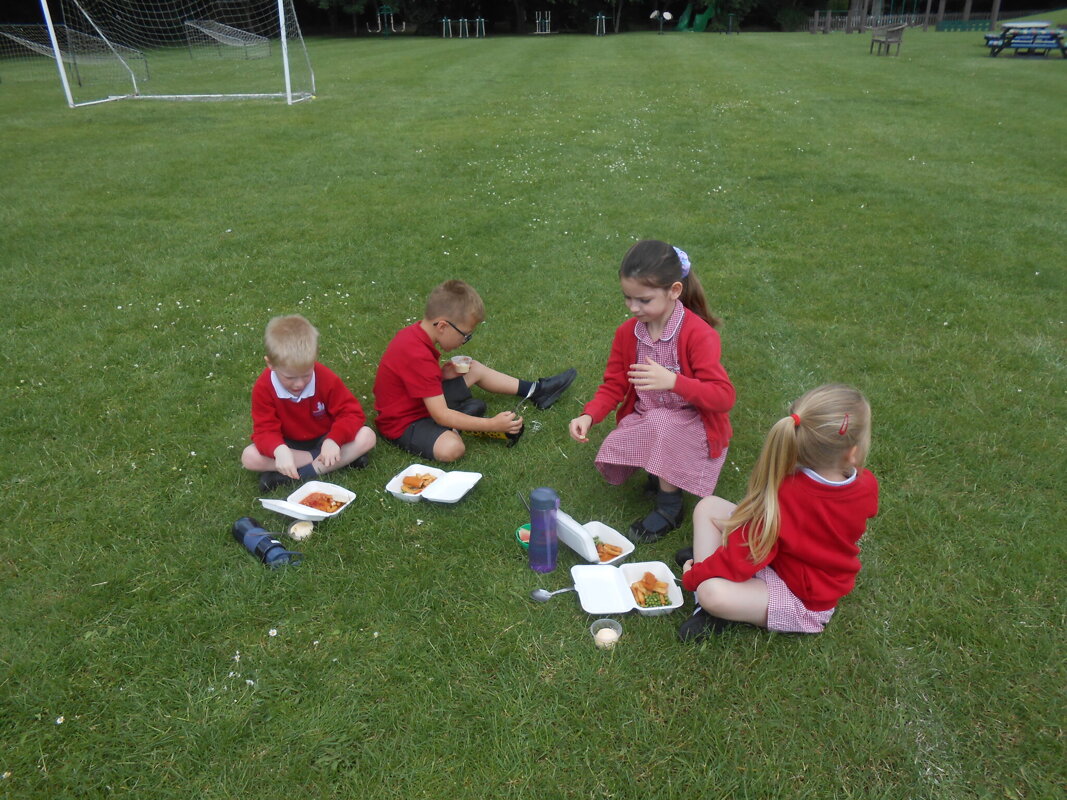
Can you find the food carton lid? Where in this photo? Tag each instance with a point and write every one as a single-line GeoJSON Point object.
{"type": "Point", "coordinates": [451, 488]}
{"type": "Point", "coordinates": [602, 589]}
{"type": "Point", "coordinates": [294, 510]}
{"type": "Point", "coordinates": [575, 536]}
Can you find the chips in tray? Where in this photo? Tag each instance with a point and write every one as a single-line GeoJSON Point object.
{"type": "Point", "coordinates": [650, 592]}
{"type": "Point", "coordinates": [606, 551]}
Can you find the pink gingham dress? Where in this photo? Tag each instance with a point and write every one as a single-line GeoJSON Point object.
{"type": "Point", "coordinates": [664, 435]}
{"type": "Point", "coordinates": [785, 612]}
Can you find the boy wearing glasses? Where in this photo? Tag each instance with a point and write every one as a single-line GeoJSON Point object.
{"type": "Point", "coordinates": [422, 406]}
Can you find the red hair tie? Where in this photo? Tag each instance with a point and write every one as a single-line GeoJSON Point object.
{"type": "Point", "coordinates": [796, 420]}
{"type": "Point", "coordinates": [844, 427]}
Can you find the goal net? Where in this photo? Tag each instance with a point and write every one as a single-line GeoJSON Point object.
{"type": "Point", "coordinates": [170, 49]}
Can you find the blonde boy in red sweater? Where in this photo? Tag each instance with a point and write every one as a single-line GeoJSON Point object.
{"type": "Point", "coordinates": [305, 421]}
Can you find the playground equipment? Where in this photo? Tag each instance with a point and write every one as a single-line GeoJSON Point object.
{"type": "Point", "coordinates": [696, 23]}
{"type": "Point", "coordinates": [386, 19]}
{"type": "Point", "coordinates": [459, 28]}
{"type": "Point", "coordinates": [601, 25]}
{"type": "Point", "coordinates": [544, 22]}
{"type": "Point", "coordinates": [666, 16]}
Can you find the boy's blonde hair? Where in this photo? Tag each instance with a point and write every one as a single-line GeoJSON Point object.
{"type": "Point", "coordinates": [291, 342]}
{"type": "Point", "coordinates": [455, 301]}
{"type": "Point", "coordinates": [820, 429]}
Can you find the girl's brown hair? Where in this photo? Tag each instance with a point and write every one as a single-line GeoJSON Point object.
{"type": "Point", "coordinates": [820, 429]}
{"type": "Point", "coordinates": [657, 264]}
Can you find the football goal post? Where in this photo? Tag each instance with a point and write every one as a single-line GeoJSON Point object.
{"type": "Point", "coordinates": [171, 49]}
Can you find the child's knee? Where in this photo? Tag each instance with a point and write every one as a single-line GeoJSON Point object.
{"type": "Point", "coordinates": [250, 458]}
{"type": "Point", "coordinates": [713, 594]}
{"type": "Point", "coordinates": [714, 508]}
{"type": "Point", "coordinates": [449, 447]}
{"type": "Point", "coordinates": [365, 439]}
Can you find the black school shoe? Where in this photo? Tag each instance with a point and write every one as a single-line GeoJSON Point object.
{"type": "Point", "coordinates": [549, 390]}
{"type": "Point", "coordinates": [661, 520]}
{"type": "Point", "coordinates": [683, 555]}
{"type": "Point", "coordinates": [701, 625]}
{"type": "Point", "coordinates": [269, 481]}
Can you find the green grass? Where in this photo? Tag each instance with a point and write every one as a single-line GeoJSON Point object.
{"type": "Point", "coordinates": [896, 223]}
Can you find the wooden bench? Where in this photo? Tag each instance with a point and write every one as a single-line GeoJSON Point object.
{"type": "Point", "coordinates": [885, 38]}
{"type": "Point", "coordinates": [1027, 44]}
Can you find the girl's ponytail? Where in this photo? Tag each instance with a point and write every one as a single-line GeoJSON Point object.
{"type": "Point", "coordinates": [693, 298]}
{"type": "Point", "coordinates": [759, 509]}
{"type": "Point", "coordinates": [826, 424]}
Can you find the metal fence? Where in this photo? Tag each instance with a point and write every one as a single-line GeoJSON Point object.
{"type": "Point", "coordinates": [828, 21]}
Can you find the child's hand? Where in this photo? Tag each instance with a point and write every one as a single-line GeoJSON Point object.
{"type": "Point", "coordinates": [651, 376]}
{"type": "Point", "coordinates": [579, 428]}
{"type": "Point", "coordinates": [329, 453]}
{"type": "Point", "coordinates": [688, 565]}
{"type": "Point", "coordinates": [507, 422]}
{"type": "Point", "coordinates": [285, 463]}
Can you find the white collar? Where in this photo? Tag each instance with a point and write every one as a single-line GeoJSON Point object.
{"type": "Point", "coordinates": [815, 476]}
{"type": "Point", "coordinates": [674, 322]}
{"type": "Point", "coordinates": [285, 394]}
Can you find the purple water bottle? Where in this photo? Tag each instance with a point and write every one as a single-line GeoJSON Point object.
{"type": "Point", "coordinates": [544, 541]}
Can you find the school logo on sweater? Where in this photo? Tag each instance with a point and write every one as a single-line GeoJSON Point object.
{"type": "Point", "coordinates": [320, 409]}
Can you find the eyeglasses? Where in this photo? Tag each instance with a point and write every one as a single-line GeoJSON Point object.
{"type": "Point", "coordinates": [466, 336]}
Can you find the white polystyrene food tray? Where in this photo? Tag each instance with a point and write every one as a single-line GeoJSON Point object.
{"type": "Point", "coordinates": [291, 506]}
{"type": "Point", "coordinates": [450, 487]}
{"type": "Point", "coordinates": [579, 538]}
{"type": "Point", "coordinates": [604, 589]}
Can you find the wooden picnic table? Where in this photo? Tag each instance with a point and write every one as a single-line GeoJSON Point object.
{"type": "Point", "coordinates": [1027, 41]}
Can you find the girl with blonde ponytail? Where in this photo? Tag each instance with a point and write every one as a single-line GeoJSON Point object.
{"type": "Point", "coordinates": [785, 555]}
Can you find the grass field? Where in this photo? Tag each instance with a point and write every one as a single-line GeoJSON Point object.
{"type": "Point", "coordinates": [896, 223]}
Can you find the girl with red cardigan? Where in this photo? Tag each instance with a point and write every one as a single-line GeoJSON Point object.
{"type": "Point", "coordinates": [672, 394]}
{"type": "Point", "coordinates": [784, 557]}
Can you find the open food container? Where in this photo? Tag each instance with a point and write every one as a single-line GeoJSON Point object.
{"type": "Point", "coordinates": [446, 487]}
{"type": "Point", "coordinates": [293, 507]}
{"type": "Point", "coordinates": [604, 589]}
{"type": "Point", "coordinates": [582, 539]}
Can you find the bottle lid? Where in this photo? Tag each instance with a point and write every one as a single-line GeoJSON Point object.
{"type": "Point", "coordinates": [543, 499]}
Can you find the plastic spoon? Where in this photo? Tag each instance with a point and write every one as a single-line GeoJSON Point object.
{"type": "Point", "coordinates": [529, 394]}
{"type": "Point", "coordinates": [543, 595]}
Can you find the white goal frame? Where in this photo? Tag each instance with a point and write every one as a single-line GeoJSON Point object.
{"type": "Point", "coordinates": [80, 37]}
